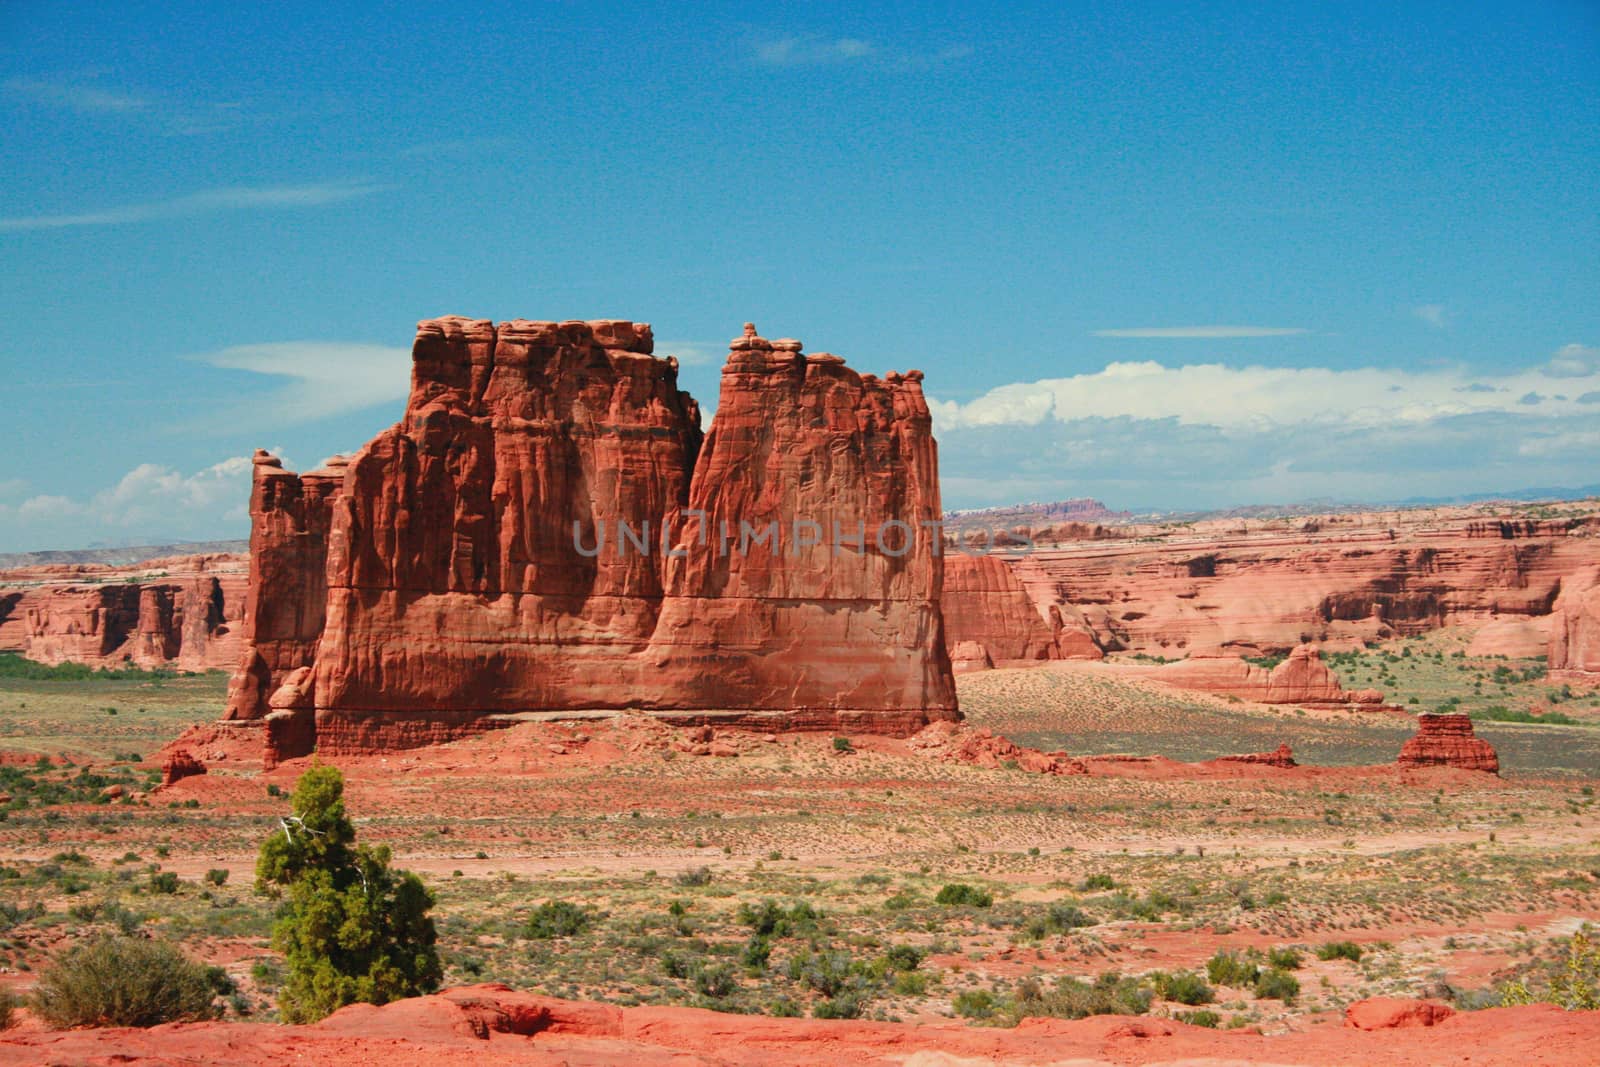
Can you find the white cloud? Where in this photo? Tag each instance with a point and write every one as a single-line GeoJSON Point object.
{"type": "Point", "coordinates": [1186, 332]}
{"type": "Point", "coordinates": [1253, 397]}
{"type": "Point", "coordinates": [819, 50]}
{"type": "Point", "coordinates": [1144, 435]}
{"type": "Point", "coordinates": [324, 377]}
{"type": "Point", "coordinates": [150, 504]}
{"type": "Point", "coordinates": [1574, 361]}
{"type": "Point", "coordinates": [1432, 314]}
{"type": "Point", "coordinates": [692, 353]}
{"type": "Point", "coordinates": [167, 116]}
{"type": "Point", "coordinates": [209, 202]}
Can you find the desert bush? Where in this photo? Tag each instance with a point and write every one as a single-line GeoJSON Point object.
{"type": "Point", "coordinates": [1072, 998]}
{"type": "Point", "coordinates": [1339, 950]}
{"type": "Point", "coordinates": [1184, 987]}
{"type": "Point", "coordinates": [1059, 918]}
{"type": "Point", "coordinates": [694, 876]}
{"type": "Point", "coordinates": [975, 1004]}
{"type": "Point", "coordinates": [845, 1006]}
{"type": "Point", "coordinates": [715, 981]}
{"type": "Point", "coordinates": [1097, 882]}
{"type": "Point", "coordinates": [1232, 969]}
{"type": "Point", "coordinates": [164, 882]}
{"type": "Point", "coordinates": [1274, 984]}
{"type": "Point", "coordinates": [217, 876]}
{"type": "Point", "coordinates": [842, 744]}
{"type": "Point", "coordinates": [1576, 984]}
{"type": "Point", "coordinates": [123, 981]}
{"type": "Point", "coordinates": [556, 918]}
{"type": "Point", "coordinates": [353, 929]}
{"type": "Point", "coordinates": [8, 1009]}
{"type": "Point", "coordinates": [769, 919]}
{"type": "Point", "coordinates": [1284, 959]}
{"type": "Point", "coordinates": [1204, 1017]}
{"type": "Point", "coordinates": [960, 894]}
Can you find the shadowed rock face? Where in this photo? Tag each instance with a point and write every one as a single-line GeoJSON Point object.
{"type": "Point", "coordinates": [1575, 629]}
{"type": "Point", "coordinates": [987, 610]}
{"type": "Point", "coordinates": [544, 530]}
{"type": "Point", "coordinates": [1448, 741]}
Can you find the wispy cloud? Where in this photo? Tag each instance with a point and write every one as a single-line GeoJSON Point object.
{"type": "Point", "coordinates": [209, 202]}
{"type": "Point", "coordinates": [820, 50]}
{"type": "Point", "coordinates": [1435, 315]}
{"type": "Point", "coordinates": [1197, 332]}
{"type": "Point", "coordinates": [88, 97]}
{"type": "Point", "coordinates": [692, 353]}
{"type": "Point", "coordinates": [1574, 361]}
{"type": "Point", "coordinates": [85, 99]}
{"type": "Point", "coordinates": [323, 378]}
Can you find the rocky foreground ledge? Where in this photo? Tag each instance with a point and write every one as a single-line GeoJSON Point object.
{"type": "Point", "coordinates": [494, 1025]}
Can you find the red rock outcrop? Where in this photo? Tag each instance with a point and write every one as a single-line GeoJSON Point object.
{"type": "Point", "coordinates": [1574, 652]}
{"type": "Point", "coordinates": [1282, 756]}
{"type": "Point", "coordinates": [289, 519]}
{"type": "Point", "coordinates": [1448, 741]}
{"type": "Point", "coordinates": [1302, 678]}
{"type": "Point", "coordinates": [986, 605]}
{"type": "Point", "coordinates": [1393, 1013]}
{"type": "Point", "coordinates": [543, 531]}
{"type": "Point", "coordinates": [179, 764]}
{"type": "Point", "coordinates": [181, 611]}
{"type": "Point", "coordinates": [955, 742]}
{"type": "Point", "coordinates": [1261, 586]}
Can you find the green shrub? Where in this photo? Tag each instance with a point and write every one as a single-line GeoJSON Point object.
{"type": "Point", "coordinates": [123, 981]}
{"type": "Point", "coordinates": [8, 1008]}
{"type": "Point", "coordinates": [975, 1004]}
{"type": "Point", "coordinates": [960, 894]}
{"type": "Point", "coordinates": [842, 744]}
{"type": "Point", "coordinates": [164, 882]}
{"type": "Point", "coordinates": [694, 876]}
{"type": "Point", "coordinates": [353, 929]}
{"type": "Point", "coordinates": [847, 1006]}
{"type": "Point", "coordinates": [1059, 918]}
{"type": "Point", "coordinates": [1072, 998]}
{"type": "Point", "coordinates": [1204, 1017]}
{"type": "Point", "coordinates": [1097, 882]}
{"type": "Point", "coordinates": [1232, 969]}
{"type": "Point", "coordinates": [716, 982]}
{"type": "Point", "coordinates": [1284, 959]}
{"type": "Point", "coordinates": [904, 957]}
{"type": "Point", "coordinates": [1339, 950]}
{"type": "Point", "coordinates": [1277, 985]}
{"type": "Point", "coordinates": [1184, 987]}
{"type": "Point", "coordinates": [556, 918]}
{"type": "Point", "coordinates": [217, 875]}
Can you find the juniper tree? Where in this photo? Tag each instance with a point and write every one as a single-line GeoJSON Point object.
{"type": "Point", "coordinates": [351, 929]}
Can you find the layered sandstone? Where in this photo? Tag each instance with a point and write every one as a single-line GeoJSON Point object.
{"type": "Point", "coordinates": [289, 519]}
{"type": "Point", "coordinates": [182, 612]}
{"type": "Point", "coordinates": [1574, 651]}
{"type": "Point", "coordinates": [1262, 586]}
{"type": "Point", "coordinates": [545, 530]}
{"type": "Point", "coordinates": [1302, 678]}
{"type": "Point", "coordinates": [988, 610]}
{"type": "Point", "coordinates": [1448, 741]}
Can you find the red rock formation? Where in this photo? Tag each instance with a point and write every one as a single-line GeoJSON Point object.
{"type": "Point", "coordinates": [1575, 630]}
{"type": "Point", "coordinates": [289, 519]}
{"type": "Point", "coordinates": [1447, 741]}
{"type": "Point", "coordinates": [1259, 586]}
{"type": "Point", "coordinates": [1393, 1013]}
{"type": "Point", "coordinates": [844, 632]}
{"type": "Point", "coordinates": [182, 611]}
{"type": "Point", "coordinates": [954, 742]}
{"type": "Point", "coordinates": [180, 764]}
{"type": "Point", "coordinates": [970, 656]}
{"type": "Point", "coordinates": [1282, 756]}
{"type": "Point", "coordinates": [1519, 638]}
{"type": "Point", "coordinates": [528, 537]}
{"type": "Point", "coordinates": [985, 605]}
{"type": "Point", "coordinates": [1302, 678]}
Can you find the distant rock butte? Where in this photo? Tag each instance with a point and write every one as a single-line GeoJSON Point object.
{"type": "Point", "coordinates": [183, 612]}
{"type": "Point", "coordinates": [991, 621]}
{"type": "Point", "coordinates": [1302, 678]}
{"type": "Point", "coordinates": [546, 530]}
{"type": "Point", "coordinates": [1575, 629]}
{"type": "Point", "coordinates": [1448, 741]}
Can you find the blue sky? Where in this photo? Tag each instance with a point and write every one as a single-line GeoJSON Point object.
{"type": "Point", "coordinates": [1173, 256]}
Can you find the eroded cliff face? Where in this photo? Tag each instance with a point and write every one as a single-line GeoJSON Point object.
{"type": "Point", "coordinates": [1302, 678]}
{"type": "Point", "coordinates": [1257, 587]}
{"type": "Point", "coordinates": [834, 617]}
{"type": "Point", "coordinates": [285, 606]}
{"type": "Point", "coordinates": [543, 531]}
{"type": "Point", "coordinates": [1574, 652]}
{"type": "Point", "coordinates": [990, 618]}
{"type": "Point", "coordinates": [182, 612]}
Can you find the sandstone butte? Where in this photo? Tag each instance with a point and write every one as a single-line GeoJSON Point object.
{"type": "Point", "coordinates": [1447, 741]}
{"type": "Point", "coordinates": [184, 611]}
{"type": "Point", "coordinates": [544, 530]}
{"type": "Point", "coordinates": [1302, 678]}
{"type": "Point", "coordinates": [1575, 630]}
